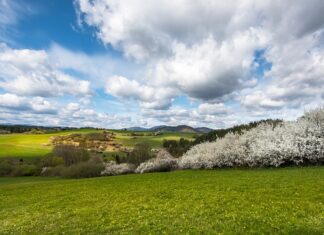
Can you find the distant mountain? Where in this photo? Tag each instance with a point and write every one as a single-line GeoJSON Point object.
{"type": "Point", "coordinates": [180, 128]}
{"type": "Point", "coordinates": [137, 128]}
{"type": "Point", "coordinates": [203, 129]}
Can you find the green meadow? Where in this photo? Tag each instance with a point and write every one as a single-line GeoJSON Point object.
{"type": "Point", "coordinates": [36, 145]}
{"type": "Point", "coordinates": [227, 201]}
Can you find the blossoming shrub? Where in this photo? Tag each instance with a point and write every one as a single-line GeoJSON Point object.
{"type": "Point", "coordinates": [112, 168]}
{"type": "Point", "coordinates": [299, 142]}
{"type": "Point", "coordinates": [163, 162]}
{"type": "Point", "coordinates": [226, 152]}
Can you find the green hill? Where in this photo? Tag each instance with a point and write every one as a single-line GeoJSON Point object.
{"type": "Point", "coordinates": [25, 145]}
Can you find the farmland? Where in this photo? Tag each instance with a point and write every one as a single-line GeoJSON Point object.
{"type": "Point", "coordinates": [37, 145]}
{"type": "Point", "coordinates": [227, 201]}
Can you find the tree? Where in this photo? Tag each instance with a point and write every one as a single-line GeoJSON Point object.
{"type": "Point", "coordinates": [71, 154]}
{"type": "Point", "coordinates": [141, 153]}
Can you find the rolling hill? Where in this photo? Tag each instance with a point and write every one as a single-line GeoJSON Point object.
{"type": "Point", "coordinates": [179, 128]}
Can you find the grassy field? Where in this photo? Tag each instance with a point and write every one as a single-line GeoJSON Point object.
{"type": "Point", "coordinates": [35, 145]}
{"type": "Point", "coordinates": [260, 201]}
{"type": "Point", "coordinates": [154, 141]}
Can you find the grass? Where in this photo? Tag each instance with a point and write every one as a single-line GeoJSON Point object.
{"type": "Point", "coordinates": [35, 145]}
{"type": "Point", "coordinates": [153, 141]}
{"type": "Point", "coordinates": [30, 145]}
{"type": "Point", "coordinates": [259, 201]}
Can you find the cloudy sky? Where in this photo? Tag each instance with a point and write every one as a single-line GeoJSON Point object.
{"type": "Point", "coordinates": [121, 63]}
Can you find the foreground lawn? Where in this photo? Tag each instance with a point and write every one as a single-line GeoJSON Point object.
{"type": "Point", "coordinates": [268, 201]}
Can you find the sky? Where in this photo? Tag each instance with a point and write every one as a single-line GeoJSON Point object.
{"type": "Point", "coordinates": [123, 63]}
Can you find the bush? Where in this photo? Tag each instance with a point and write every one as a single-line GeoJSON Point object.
{"type": "Point", "coordinates": [71, 154]}
{"type": "Point", "coordinates": [226, 152]}
{"type": "Point", "coordinates": [51, 161]}
{"type": "Point", "coordinates": [5, 168]}
{"type": "Point", "coordinates": [96, 136]}
{"type": "Point", "coordinates": [141, 153]}
{"type": "Point", "coordinates": [111, 168]}
{"type": "Point", "coordinates": [177, 148]}
{"type": "Point", "coordinates": [299, 142]}
{"type": "Point", "coordinates": [163, 162]}
{"type": "Point", "coordinates": [25, 170]}
{"type": "Point", "coordinates": [96, 159]}
{"type": "Point", "coordinates": [82, 170]}
{"type": "Point", "coordinates": [53, 171]}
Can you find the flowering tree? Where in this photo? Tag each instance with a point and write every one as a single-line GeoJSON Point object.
{"type": "Point", "coordinates": [297, 142]}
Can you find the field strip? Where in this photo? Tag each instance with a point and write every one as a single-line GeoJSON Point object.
{"type": "Point", "coordinates": [25, 146]}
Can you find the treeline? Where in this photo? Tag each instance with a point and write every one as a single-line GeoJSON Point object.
{"type": "Point", "coordinates": [238, 129]}
{"type": "Point", "coordinates": [178, 148]}
{"type": "Point", "coordinates": [35, 129]}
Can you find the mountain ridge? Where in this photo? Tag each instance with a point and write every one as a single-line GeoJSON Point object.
{"type": "Point", "coordinates": [178, 128]}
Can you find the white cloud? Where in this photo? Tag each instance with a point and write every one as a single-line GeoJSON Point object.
{"type": "Point", "coordinates": [25, 110]}
{"type": "Point", "coordinates": [30, 73]}
{"type": "Point", "coordinates": [73, 107]}
{"type": "Point", "coordinates": [10, 100]}
{"type": "Point", "coordinates": [150, 97]}
{"type": "Point", "coordinates": [258, 98]}
{"type": "Point", "coordinates": [75, 115]}
{"type": "Point", "coordinates": [203, 50]}
{"type": "Point", "coordinates": [206, 49]}
{"type": "Point", "coordinates": [159, 25]}
{"type": "Point", "coordinates": [37, 105]}
{"type": "Point", "coordinates": [209, 70]}
{"type": "Point", "coordinates": [96, 67]}
{"type": "Point", "coordinates": [196, 117]}
{"type": "Point", "coordinates": [213, 109]}
{"type": "Point", "coordinates": [142, 28]}
{"type": "Point", "coordinates": [296, 78]}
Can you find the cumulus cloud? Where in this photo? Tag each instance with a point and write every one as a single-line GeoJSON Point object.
{"type": "Point", "coordinates": [11, 101]}
{"type": "Point", "coordinates": [29, 73]}
{"type": "Point", "coordinates": [37, 105]}
{"type": "Point", "coordinates": [207, 49]}
{"type": "Point", "coordinates": [95, 67]}
{"type": "Point", "coordinates": [209, 70]}
{"type": "Point", "coordinates": [73, 106]}
{"type": "Point", "coordinates": [296, 78]}
{"type": "Point", "coordinates": [196, 117]}
{"type": "Point", "coordinates": [150, 97]}
{"type": "Point", "coordinates": [75, 115]}
{"type": "Point", "coordinates": [213, 109]}
{"type": "Point", "coordinates": [159, 25]}
{"type": "Point", "coordinates": [25, 110]}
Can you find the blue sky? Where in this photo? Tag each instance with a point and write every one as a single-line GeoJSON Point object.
{"type": "Point", "coordinates": [52, 21]}
{"type": "Point", "coordinates": [124, 63]}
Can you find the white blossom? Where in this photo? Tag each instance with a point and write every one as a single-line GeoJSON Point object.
{"type": "Point", "coordinates": [298, 142]}
{"type": "Point", "coordinates": [163, 162]}
{"type": "Point", "coordinates": [111, 168]}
